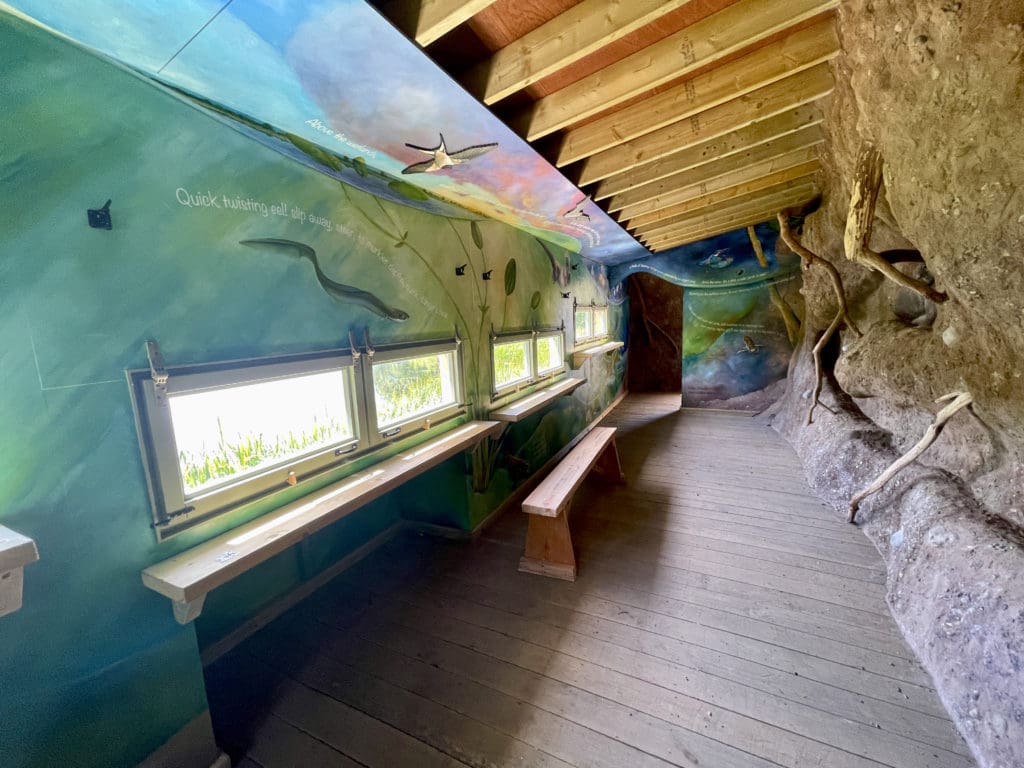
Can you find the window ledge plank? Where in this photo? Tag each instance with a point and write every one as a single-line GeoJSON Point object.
{"type": "Point", "coordinates": [527, 406]}
{"type": "Point", "coordinates": [16, 551]}
{"type": "Point", "coordinates": [187, 577]}
{"type": "Point", "coordinates": [581, 356]}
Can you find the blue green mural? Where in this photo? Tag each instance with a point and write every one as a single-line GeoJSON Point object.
{"type": "Point", "coordinates": [220, 245]}
{"type": "Point", "coordinates": [741, 319]}
{"type": "Point", "coordinates": [336, 75]}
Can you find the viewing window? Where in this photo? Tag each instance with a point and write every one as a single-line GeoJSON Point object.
{"type": "Point", "coordinates": [550, 353]}
{"type": "Point", "coordinates": [221, 434]}
{"type": "Point", "coordinates": [411, 388]}
{"type": "Point", "coordinates": [522, 359]}
{"type": "Point", "coordinates": [591, 323]}
{"type": "Point", "coordinates": [513, 363]}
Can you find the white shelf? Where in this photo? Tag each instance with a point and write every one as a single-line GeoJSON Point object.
{"type": "Point", "coordinates": [527, 406]}
{"type": "Point", "coordinates": [16, 551]}
{"type": "Point", "coordinates": [581, 356]}
{"type": "Point", "coordinates": [187, 577]}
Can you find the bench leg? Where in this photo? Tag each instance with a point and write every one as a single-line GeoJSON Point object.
{"type": "Point", "coordinates": [608, 465]}
{"type": "Point", "coordinates": [549, 548]}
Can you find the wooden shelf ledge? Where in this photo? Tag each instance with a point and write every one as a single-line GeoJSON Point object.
{"type": "Point", "coordinates": [16, 551]}
{"type": "Point", "coordinates": [527, 406]}
{"type": "Point", "coordinates": [581, 356]}
{"type": "Point", "coordinates": [189, 576]}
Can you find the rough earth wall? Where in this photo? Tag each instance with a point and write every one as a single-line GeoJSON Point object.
{"type": "Point", "coordinates": [938, 86]}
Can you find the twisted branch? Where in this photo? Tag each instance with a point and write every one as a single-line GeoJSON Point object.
{"type": "Point", "coordinates": [842, 314]}
{"type": "Point", "coordinates": [956, 401]}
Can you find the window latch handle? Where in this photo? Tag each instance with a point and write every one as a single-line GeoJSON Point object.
{"type": "Point", "coordinates": [391, 432]}
{"type": "Point", "coordinates": [346, 449]}
{"type": "Point", "coordinates": [158, 372]}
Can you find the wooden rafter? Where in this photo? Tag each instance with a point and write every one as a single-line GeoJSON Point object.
{"type": "Point", "coordinates": [794, 53]}
{"type": "Point", "coordinates": [794, 188]}
{"type": "Point", "coordinates": [427, 20]}
{"type": "Point", "coordinates": [699, 45]}
{"type": "Point", "coordinates": [733, 216]}
{"type": "Point", "coordinates": [739, 140]}
{"type": "Point", "coordinates": [774, 99]}
{"type": "Point", "coordinates": [724, 194]}
{"type": "Point", "coordinates": [751, 200]}
{"type": "Point", "coordinates": [567, 38]}
{"type": "Point", "coordinates": [765, 158]}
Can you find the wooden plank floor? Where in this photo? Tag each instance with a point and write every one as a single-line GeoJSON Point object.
{"type": "Point", "coordinates": [723, 617]}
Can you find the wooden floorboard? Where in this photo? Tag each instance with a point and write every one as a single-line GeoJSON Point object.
{"type": "Point", "coordinates": [723, 617]}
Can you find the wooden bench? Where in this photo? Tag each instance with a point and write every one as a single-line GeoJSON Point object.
{"type": "Point", "coordinates": [548, 542]}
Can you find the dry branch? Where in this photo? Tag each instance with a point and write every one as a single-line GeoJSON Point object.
{"type": "Point", "coordinates": [811, 259]}
{"type": "Point", "coordinates": [788, 316]}
{"type": "Point", "coordinates": [956, 402]}
{"type": "Point", "coordinates": [758, 250]}
{"type": "Point", "coordinates": [842, 314]}
{"type": "Point", "coordinates": [867, 183]}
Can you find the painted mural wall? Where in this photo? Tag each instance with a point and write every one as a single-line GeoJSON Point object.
{"type": "Point", "coordinates": [741, 316]}
{"type": "Point", "coordinates": [96, 672]}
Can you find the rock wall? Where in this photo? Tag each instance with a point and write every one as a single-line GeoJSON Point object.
{"type": "Point", "coordinates": [938, 86]}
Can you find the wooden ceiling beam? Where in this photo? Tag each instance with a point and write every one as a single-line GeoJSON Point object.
{"type": "Point", "coordinates": [708, 151]}
{"type": "Point", "coordinates": [781, 96]}
{"type": "Point", "coordinates": [794, 53]}
{"type": "Point", "coordinates": [723, 194]}
{"type": "Point", "coordinates": [427, 20]}
{"type": "Point", "coordinates": [764, 207]}
{"type": "Point", "coordinates": [791, 150]}
{"type": "Point", "coordinates": [737, 26]}
{"type": "Point", "coordinates": [742, 194]}
{"type": "Point", "coordinates": [557, 44]}
{"type": "Point", "coordinates": [714, 230]}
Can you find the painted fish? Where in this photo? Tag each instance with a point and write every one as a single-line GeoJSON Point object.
{"type": "Point", "coordinates": [716, 260]}
{"type": "Point", "coordinates": [560, 274]}
{"type": "Point", "coordinates": [345, 293]}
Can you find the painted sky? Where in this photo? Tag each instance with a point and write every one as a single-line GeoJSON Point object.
{"type": "Point", "coordinates": [305, 66]}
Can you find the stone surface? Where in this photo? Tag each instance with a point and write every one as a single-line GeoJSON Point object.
{"type": "Point", "coordinates": [939, 87]}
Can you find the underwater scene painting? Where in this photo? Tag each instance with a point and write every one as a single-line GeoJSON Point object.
{"type": "Point", "coordinates": [738, 338]}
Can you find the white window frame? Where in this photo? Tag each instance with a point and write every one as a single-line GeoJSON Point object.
{"type": "Point", "coordinates": [535, 375]}
{"type": "Point", "coordinates": [175, 511]}
{"type": "Point", "coordinates": [591, 310]}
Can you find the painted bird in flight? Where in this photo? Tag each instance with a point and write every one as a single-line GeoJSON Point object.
{"type": "Point", "coordinates": [441, 158]}
{"type": "Point", "coordinates": [577, 212]}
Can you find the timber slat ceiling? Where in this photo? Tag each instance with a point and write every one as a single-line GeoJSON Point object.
{"type": "Point", "coordinates": [681, 118]}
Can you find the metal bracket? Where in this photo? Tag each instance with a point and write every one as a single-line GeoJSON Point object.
{"type": "Point", "coordinates": [356, 354]}
{"type": "Point", "coordinates": [158, 372]}
{"type": "Point", "coordinates": [458, 339]}
{"type": "Point", "coordinates": [366, 338]}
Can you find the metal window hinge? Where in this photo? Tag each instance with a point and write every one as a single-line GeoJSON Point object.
{"type": "Point", "coordinates": [352, 343]}
{"type": "Point", "coordinates": [158, 372]}
{"type": "Point", "coordinates": [366, 339]}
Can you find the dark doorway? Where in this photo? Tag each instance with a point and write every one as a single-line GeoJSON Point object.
{"type": "Point", "coordinates": [655, 334]}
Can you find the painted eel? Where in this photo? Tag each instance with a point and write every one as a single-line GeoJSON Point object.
{"type": "Point", "coordinates": [336, 290]}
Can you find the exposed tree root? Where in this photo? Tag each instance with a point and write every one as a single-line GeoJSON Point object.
{"type": "Point", "coordinates": [842, 314]}
{"type": "Point", "coordinates": [867, 182]}
{"type": "Point", "coordinates": [956, 402]}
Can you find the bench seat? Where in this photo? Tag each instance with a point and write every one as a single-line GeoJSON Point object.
{"type": "Point", "coordinates": [549, 550]}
